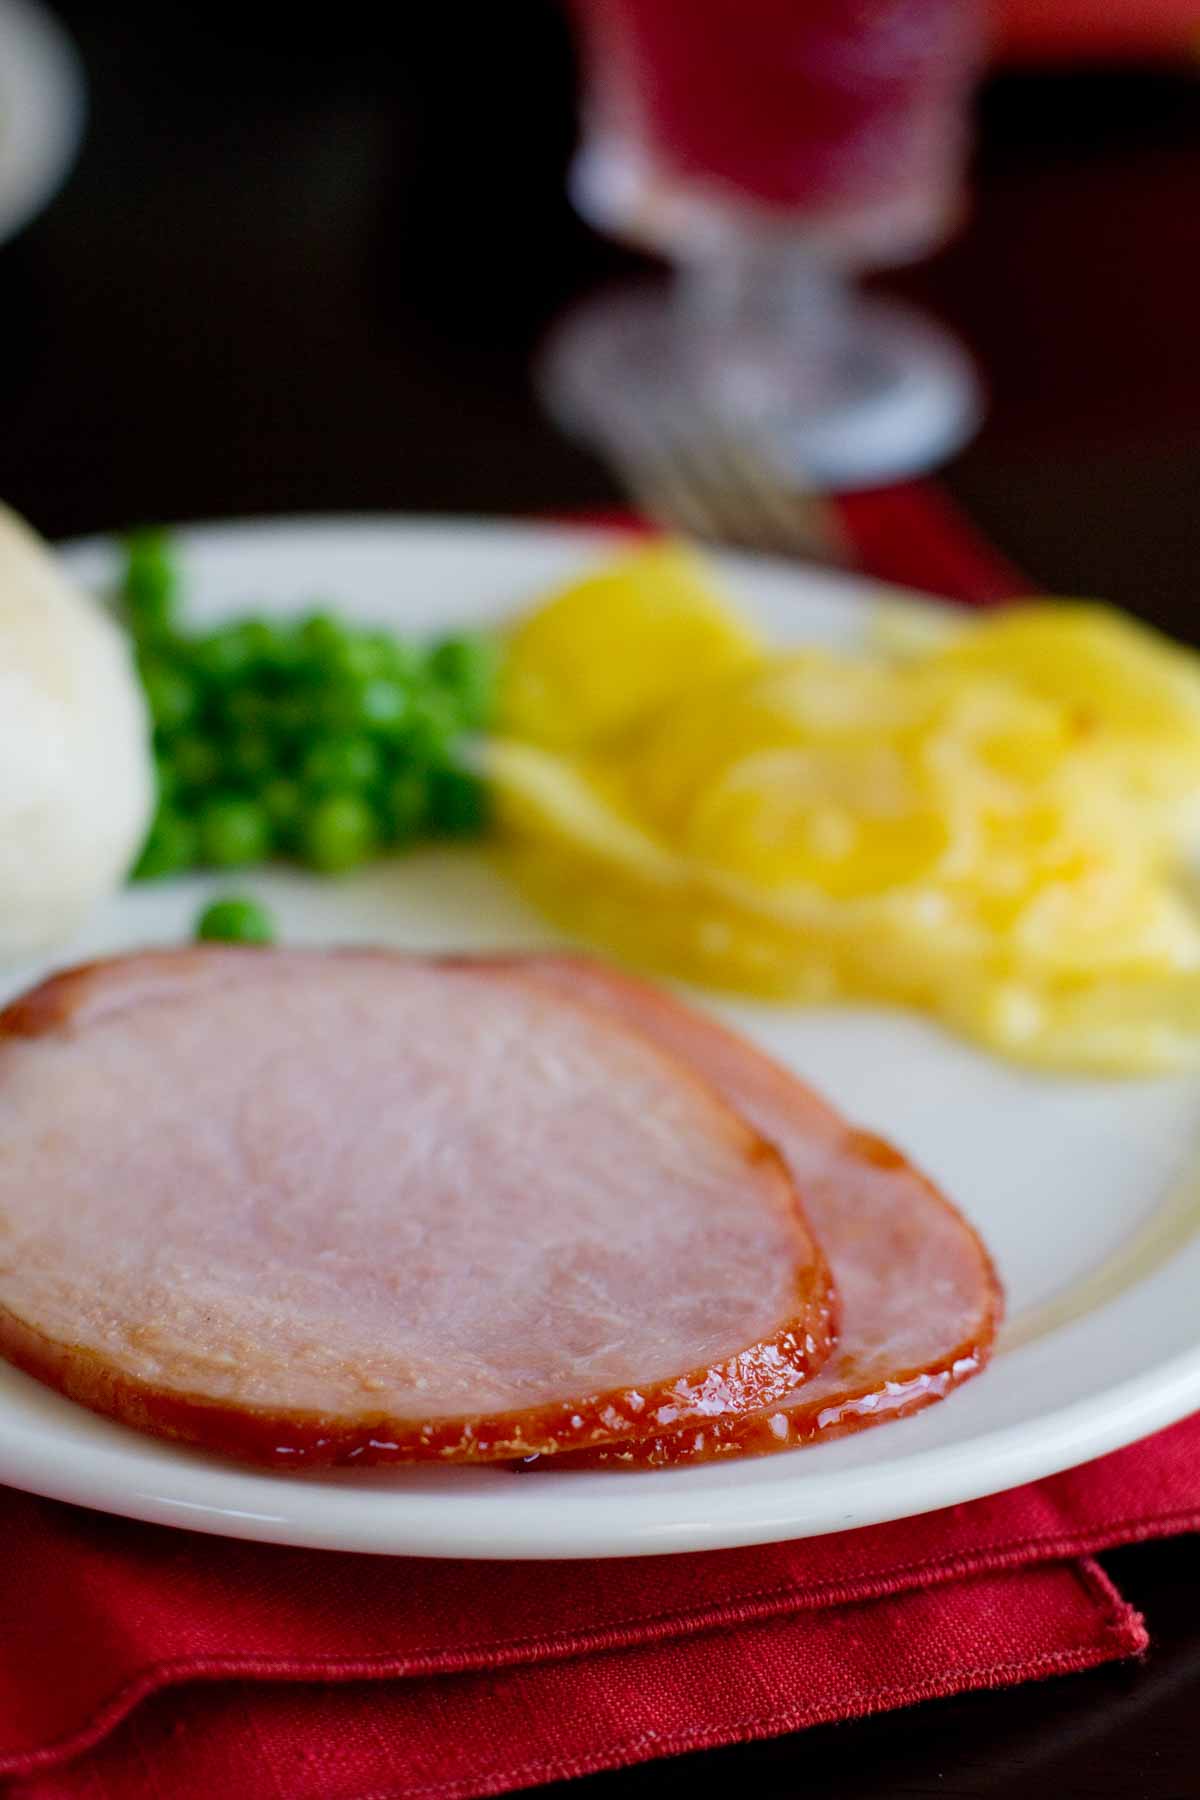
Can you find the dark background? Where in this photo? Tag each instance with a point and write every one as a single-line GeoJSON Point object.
{"type": "Point", "coordinates": [303, 266]}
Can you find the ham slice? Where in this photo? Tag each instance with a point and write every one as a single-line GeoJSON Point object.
{"type": "Point", "coordinates": [313, 1208]}
{"type": "Point", "coordinates": [920, 1300]}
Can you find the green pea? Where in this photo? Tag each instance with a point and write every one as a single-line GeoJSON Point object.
{"type": "Point", "coordinates": [170, 847]}
{"type": "Point", "coordinates": [267, 653]}
{"type": "Point", "coordinates": [458, 802]}
{"type": "Point", "coordinates": [322, 636]}
{"type": "Point", "coordinates": [234, 831]}
{"type": "Point", "coordinates": [466, 668]}
{"type": "Point", "coordinates": [290, 715]}
{"type": "Point", "coordinates": [340, 762]}
{"type": "Point", "coordinates": [404, 805]}
{"type": "Point", "coordinates": [355, 656]}
{"type": "Point", "coordinates": [338, 832]}
{"type": "Point", "coordinates": [248, 709]}
{"type": "Point", "coordinates": [170, 694]}
{"type": "Point", "coordinates": [228, 655]}
{"type": "Point", "coordinates": [330, 706]}
{"type": "Point", "coordinates": [364, 655]}
{"type": "Point", "coordinates": [197, 761]}
{"type": "Point", "coordinates": [150, 585]}
{"type": "Point", "coordinates": [429, 729]}
{"type": "Point", "coordinates": [353, 704]}
{"type": "Point", "coordinates": [165, 777]}
{"type": "Point", "coordinates": [396, 658]}
{"type": "Point", "coordinates": [282, 799]}
{"type": "Point", "coordinates": [251, 757]}
{"type": "Point", "coordinates": [235, 921]}
{"type": "Point", "coordinates": [263, 639]}
{"type": "Point", "coordinates": [284, 660]}
{"type": "Point", "coordinates": [384, 706]}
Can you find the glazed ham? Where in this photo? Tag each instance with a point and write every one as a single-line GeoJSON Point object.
{"type": "Point", "coordinates": [920, 1302]}
{"type": "Point", "coordinates": [313, 1208]}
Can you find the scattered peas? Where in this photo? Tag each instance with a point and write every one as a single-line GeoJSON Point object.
{"type": "Point", "coordinates": [317, 739]}
{"type": "Point", "coordinates": [235, 921]}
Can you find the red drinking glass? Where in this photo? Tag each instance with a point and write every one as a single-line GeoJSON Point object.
{"type": "Point", "coordinates": [772, 150]}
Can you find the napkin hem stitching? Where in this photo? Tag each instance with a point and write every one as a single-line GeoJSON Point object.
{"type": "Point", "coordinates": [1123, 1625]}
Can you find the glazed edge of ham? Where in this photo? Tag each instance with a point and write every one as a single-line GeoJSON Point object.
{"type": "Point", "coordinates": [920, 1299]}
{"type": "Point", "coordinates": [71, 1005]}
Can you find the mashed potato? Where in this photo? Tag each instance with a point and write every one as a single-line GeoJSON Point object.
{"type": "Point", "coordinates": [76, 772]}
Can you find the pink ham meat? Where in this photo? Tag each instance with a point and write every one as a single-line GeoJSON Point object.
{"type": "Point", "coordinates": [920, 1301]}
{"type": "Point", "coordinates": [308, 1208]}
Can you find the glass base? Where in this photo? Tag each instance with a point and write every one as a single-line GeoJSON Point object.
{"type": "Point", "coordinates": [890, 396]}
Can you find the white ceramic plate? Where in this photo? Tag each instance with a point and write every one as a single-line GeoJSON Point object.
{"type": "Point", "coordinates": [1083, 1189]}
{"type": "Point", "coordinates": [41, 110]}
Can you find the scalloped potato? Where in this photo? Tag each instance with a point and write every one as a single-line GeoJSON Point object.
{"type": "Point", "coordinates": [987, 818]}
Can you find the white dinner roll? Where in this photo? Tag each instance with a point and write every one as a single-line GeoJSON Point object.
{"type": "Point", "coordinates": [76, 771]}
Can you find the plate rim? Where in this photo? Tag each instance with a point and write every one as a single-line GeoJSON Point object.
{"type": "Point", "coordinates": [950, 1475]}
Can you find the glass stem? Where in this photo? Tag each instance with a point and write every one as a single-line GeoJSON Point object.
{"type": "Point", "coordinates": [762, 328]}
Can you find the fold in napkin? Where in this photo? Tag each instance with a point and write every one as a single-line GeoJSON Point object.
{"type": "Point", "coordinates": [487, 1734]}
{"type": "Point", "coordinates": [138, 1663]}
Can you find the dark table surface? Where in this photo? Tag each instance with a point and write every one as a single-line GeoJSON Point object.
{"type": "Point", "coordinates": [300, 268]}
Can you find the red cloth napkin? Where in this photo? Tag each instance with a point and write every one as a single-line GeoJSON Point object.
{"type": "Point", "coordinates": [138, 1663]}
